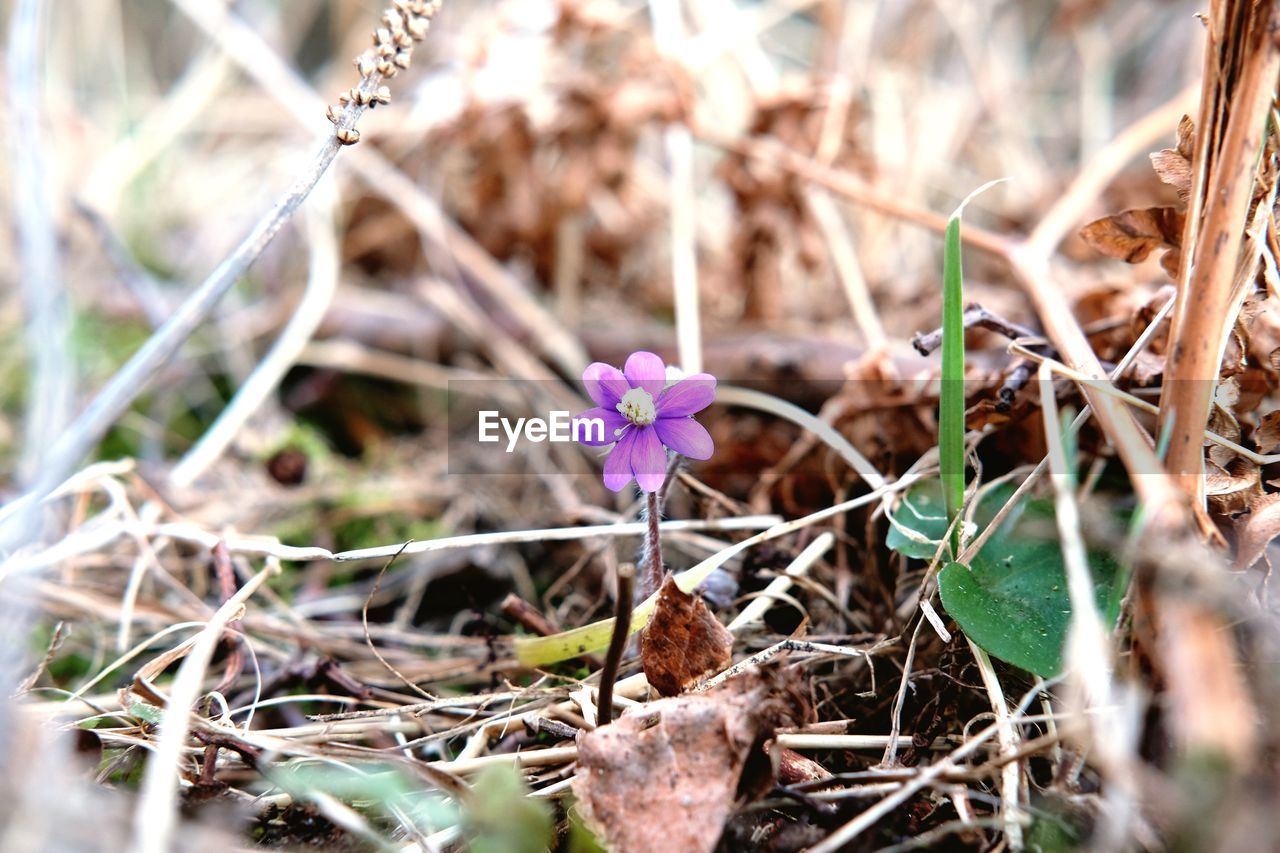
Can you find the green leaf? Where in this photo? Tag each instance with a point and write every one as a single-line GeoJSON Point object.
{"type": "Point", "coordinates": [581, 838]}
{"type": "Point", "coordinates": [951, 397]}
{"type": "Point", "coordinates": [919, 521]}
{"type": "Point", "coordinates": [1012, 600]}
{"type": "Point", "coordinates": [371, 787]}
{"type": "Point", "coordinates": [146, 712]}
{"type": "Point", "coordinates": [502, 819]}
{"type": "Point", "coordinates": [1052, 832]}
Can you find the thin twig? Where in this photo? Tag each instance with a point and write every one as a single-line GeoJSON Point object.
{"type": "Point", "coordinates": [851, 187]}
{"type": "Point", "coordinates": [1007, 735]}
{"type": "Point", "coordinates": [755, 611]}
{"type": "Point", "coordinates": [975, 317]}
{"type": "Point", "coordinates": [322, 281]}
{"type": "Point", "coordinates": [635, 528]}
{"type": "Point", "coordinates": [760, 657]}
{"type": "Point", "coordinates": [728, 395]}
{"type": "Point", "coordinates": [851, 830]}
{"type": "Point", "coordinates": [617, 643]}
{"type": "Point", "coordinates": [246, 47]}
{"type": "Point", "coordinates": [364, 622]}
{"type": "Point", "coordinates": [155, 817]}
{"type": "Point", "coordinates": [135, 376]}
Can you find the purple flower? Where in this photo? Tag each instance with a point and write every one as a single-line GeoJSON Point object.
{"type": "Point", "coordinates": [642, 415]}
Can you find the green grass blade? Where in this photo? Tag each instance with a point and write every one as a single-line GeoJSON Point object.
{"type": "Point", "coordinates": [951, 402]}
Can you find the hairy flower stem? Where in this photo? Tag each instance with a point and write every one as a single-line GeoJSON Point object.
{"type": "Point", "coordinates": [653, 551]}
{"type": "Point", "coordinates": [617, 643]}
{"type": "Point", "coordinates": [651, 554]}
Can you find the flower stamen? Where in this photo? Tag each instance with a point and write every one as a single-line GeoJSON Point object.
{"type": "Point", "coordinates": [637, 407]}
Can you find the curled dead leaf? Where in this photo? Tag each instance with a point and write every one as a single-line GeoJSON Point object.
{"type": "Point", "coordinates": [1233, 488]}
{"type": "Point", "coordinates": [1133, 235]}
{"type": "Point", "coordinates": [1173, 165]}
{"type": "Point", "coordinates": [1255, 531]}
{"type": "Point", "coordinates": [1146, 314]}
{"type": "Point", "coordinates": [1237, 358]}
{"type": "Point", "coordinates": [1255, 385]}
{"type": "Point", "coordinates": [1147, 368]}
{"type": "Point", "coordinates": [1227, 394]}
{"type": "Point", "coordinates": [1222, 419]}
{"type": "Point", "coordinates": [682, 642]}
{"type": "Point", "coordinates": [1266, 438]}
{"type": "Point", "coordinates": [667, 775]}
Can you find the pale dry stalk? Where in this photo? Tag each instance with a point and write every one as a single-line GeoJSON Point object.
{"type": "Point", "coordinates": [1223, 168]}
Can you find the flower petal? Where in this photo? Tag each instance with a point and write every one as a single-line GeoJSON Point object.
{"type": "Point", "coordinates": [605, 384]}
{"type": "Point", "coordinates": [586, 433]}
{"type": "Point", "coordinates": [688, 396]}
{"type": "Point", "coordinates": [617, 468]}
{"type": "Point", "coordinates": [645, 370]}
{"type": "Point", "coordinates": [648, 459]}
{"type": "Point", "coordinates": [685, 436]}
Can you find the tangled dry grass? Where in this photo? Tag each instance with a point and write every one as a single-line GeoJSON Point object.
{"type": "Point", "coordinates": [217, 445]}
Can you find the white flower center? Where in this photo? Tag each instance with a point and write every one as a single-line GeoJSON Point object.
{"type": "Point", "coordinates": [637, 407]}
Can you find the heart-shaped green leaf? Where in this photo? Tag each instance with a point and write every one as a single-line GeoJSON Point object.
{"type": "Point", "coordinates": [1012, 599]}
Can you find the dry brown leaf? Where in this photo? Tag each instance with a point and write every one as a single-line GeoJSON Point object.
{"type": "Point", "coordinates": [1173, 165]}
{"type": "Point", "coordinates": [1220, 456]}
{"type": "Point", "coordinates": [1146, 313]}
{"type": "Point", "coordinates": [1264, 337]}
{"type": "Point", "coordinates": [987, 413]}
{"type": "Point", "coordinates": [682, 642]}
{"type": "Point", "coordinates": [1256, 530]}
{"type": "Point", "coordinates": [667, 775]}
{"type": "Point", "coordinates": [1133, 235]}
{"type": "Point", "coordinates": [1237, 358]}
{"type": "Point", "coordinates": [1171, 263]}
{"type": "Point", "coordinates": [1266, 438]}
{"type": "Point", "coordinates": [1222, 419]}
{"type": "Point", "coordinates": [1227, 394]}
{"type": "Point", "coordinates": [1222, 422]}
{"type": "Point", "coordinates": [1147, 367]}
{"type": "Point", "coordinates": [1255, 384]}
{"type": "Point", "coordinates": [1233, 488]}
